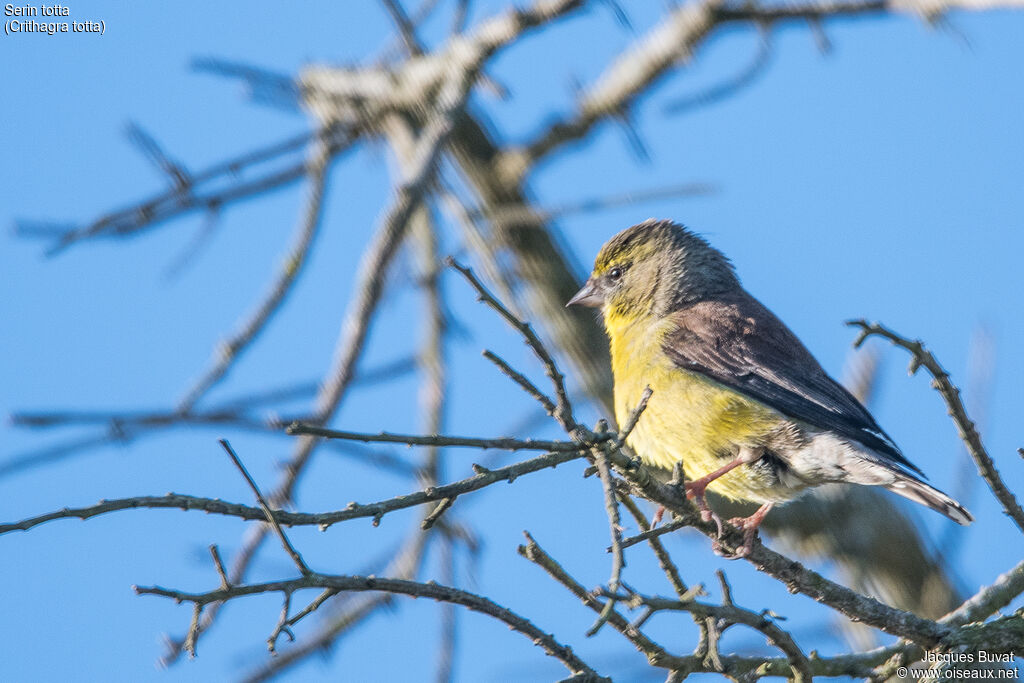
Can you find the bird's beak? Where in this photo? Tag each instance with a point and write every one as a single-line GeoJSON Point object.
{"type": "Point", "coordinates": [590, 295]}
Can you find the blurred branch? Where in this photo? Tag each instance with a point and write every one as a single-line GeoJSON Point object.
{"type": "Point", "coordinates": [237, 412]}
{"type": "Point", "coordinates": [720, 91]}
{"type": "Point", "coordinates": [405, 26]}
{"type": "Point", "coordinates": [178, 175]}
{"type": "Point", "coordinates": [672, 42]}
{"type": "Point", "coordinates": [194, 196]}
{"type": "Point", "coordinates": [231, 350]}
{"type": "Point", "coordinates": [370, 278]}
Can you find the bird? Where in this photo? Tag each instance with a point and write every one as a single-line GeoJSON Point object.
{"type": "Point", "coordinates": [736, 398]}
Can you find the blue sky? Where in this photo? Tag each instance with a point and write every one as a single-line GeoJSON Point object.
{"type": "Point", "coordinates": [880, 180]}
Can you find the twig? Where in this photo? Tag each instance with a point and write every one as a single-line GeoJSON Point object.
{"type": "Point", "coordinates": [664, 560]}
{"type": "Point", "coordinates": [231, 350]}
{"type": "Point", "coordinates": [727, 614]}
{"type": "Point", "coordinates": [655, 653]}
{"type": "Point", "coordinates": [652, 534]}
{"type": "Point", "coordinates": [563, 410]}
{"type": "Point", "coordinates": [282, 624]}
{"type": "Point", "coordinates": [611, 505]}
{"type": "Point", "coordinates": [289, 548]}
{"type": "Point", "coordinates": [430, 520]}
{"type": "Point", "coordinates": [989, 599]}
{"type": "Point", "coordinates": [403, 565]}
{"type": "Point", "coordinates": [353, 511]}
{"type": "Point", "coordinates": [922, 357]}
{"type": "Point", "coordinates": [505, 444]}
{"type": "Point", "coordinates": [193, 631]}
{"type": "Point", "coordinates": [219, 564]}
{"type": "Point", "coordinates": [520, 379]}
{"type": "Point", "coordinates": [433, 591]}
{"type": "Point", "coordinates": [634, 417]}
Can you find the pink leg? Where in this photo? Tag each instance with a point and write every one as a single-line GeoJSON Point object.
{"type": "Point", "coordinates": [695, 489]}
{"type": "Point", "coordinates": [695, 492]}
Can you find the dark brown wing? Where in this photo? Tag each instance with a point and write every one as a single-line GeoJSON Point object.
{"type": "Point", "coordinates": [737, 342]}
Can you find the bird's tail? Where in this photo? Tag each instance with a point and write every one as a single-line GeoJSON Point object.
{"type": "Point", "coordinates": [916, 490]}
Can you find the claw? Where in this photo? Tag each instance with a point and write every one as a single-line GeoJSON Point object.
{"type": "Point", "coordinates": [749, 526]}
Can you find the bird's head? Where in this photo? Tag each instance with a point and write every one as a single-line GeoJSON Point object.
{"type": "Point", "coordinates": [654, 268]}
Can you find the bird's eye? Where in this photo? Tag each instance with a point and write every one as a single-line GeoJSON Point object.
{"type": "Point", "coordinates": [615, 273]}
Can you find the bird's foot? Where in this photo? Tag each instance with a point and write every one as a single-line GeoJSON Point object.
{"type": "Point", "coordinates": [695, 492]}
{"type": "Point", "coordinates": [658, 514]}
{"type": "Point", "coordinates": [749, 526]}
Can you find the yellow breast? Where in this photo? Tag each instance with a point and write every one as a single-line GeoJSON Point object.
{"type": "Point", "coordinates": [689, 418]}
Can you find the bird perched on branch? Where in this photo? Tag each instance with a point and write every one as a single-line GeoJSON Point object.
{"type": "Point", "coordinates": [737, 399]}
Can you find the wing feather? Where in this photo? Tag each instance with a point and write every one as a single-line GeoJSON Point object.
{"type": "Point", "coordinates": [737, 342]}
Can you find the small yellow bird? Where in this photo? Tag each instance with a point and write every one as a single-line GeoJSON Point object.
{"type": "Point", "coordinates": [737, 398]}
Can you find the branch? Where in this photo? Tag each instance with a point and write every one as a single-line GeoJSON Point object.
{"type": "Point", "coordinates": [664, 560]}
{"type": "Point", "coordinates": [231, 350]}
{"type": "Point", "coordinates": [268, 513]}
{"type": "Point", "coordinates": [477, 603]}
{"type": "Point", "coordinates": [655, 653]}
{"type": "Point", "coordinates": [377, 510]}
{"type": "Point", "coordinates": [611, 504]}
{"type": "Point", "coordinates": [672, 42]}
{"type": "Point", "coordinates": [922, 357]}
{"type": "Point", "coordinates": [501, 443]}
{"type": "Point", "coordinates": [176, 202]}
{"type": "Point", "coordinates": [372, 269]}
{"type": "Point", "coordinates": [563, 410]}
